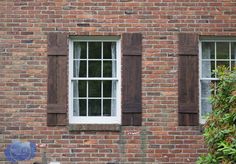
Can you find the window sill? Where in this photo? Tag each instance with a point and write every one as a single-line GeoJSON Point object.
{"type": "Point", "coordinates": [94, 127]}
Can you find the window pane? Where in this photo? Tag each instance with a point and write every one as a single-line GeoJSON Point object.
{"type": "Point", "coordinates": [94, 69]}
{"type": "Point", "coordinates": [208, 50]}
{"type": "Point", "coordinates": [75, 107]}
{"type": "Point", "coordinates": [222, 50]}
{"type": "Point", "coordinates": [107, 88]}
{"type": "Point", "coordinates": [205, 89]}
{"type": "Point", "coordinates": [79, 68]}
{"type": "Point", "coordinates": [206, 107]}
{"type": "Point", "coordinates": [79, 89]}
{"type": "Point", "coordinates": [207, 68]}
{"type": "Point", "coordinates": [107, 69]}
{"type": "Point", "coordinates": [233, 51]}
{"type": "Point", "coordinates": [82, 88]}
{"type": "Point", "coordinates": [94, 107]}
{"type": "Point", "coordinates": [94, 50]}
{"type": "Point", "coordinates": [80, 50]}
{"type": "Point", "coordinates": [94, 88]}
{"type": "Point", "coordinates": [113, 107]}
{"type": "Point", "coordinates": [222, 63]}
{"type": "Point", "coordinates": [109, 50]}
{"type": "Point", "coordinates": [107, 107]}
{"type": "Point", "coordinates": [79, 107]}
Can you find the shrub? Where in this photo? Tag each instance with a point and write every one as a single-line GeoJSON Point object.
{"type": "Point", "coordinates": [220, 127]}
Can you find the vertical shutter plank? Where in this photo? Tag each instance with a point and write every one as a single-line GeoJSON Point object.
{"type": "Point", "coordinates": [57, 79]}
{"type": "Point", "coordinates": [188, 80]}
{"type": "Point", "coordinates": [188, 90]}
{"type": "Point", "coordinates": [131, 79]}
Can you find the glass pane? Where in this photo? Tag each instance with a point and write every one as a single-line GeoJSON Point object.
{"type": "Point", "coordinates": [107, 88]}
{"type": "Point", "coordinates": [207, 68]}
{"type": "Point", "coordinates": [75, 89]}
{"type": "Point", "coordinates": [94, 107]}
{"type": "Point", "coordinates": [94, 88]}
{"type": "Point", "coordinates": [94, 50]}
{"type": "Point", "coordinates": [79, 107]}
{"type": "Point", "coordinates": [80, 50]}
{"type": "Point", "coordinates": [82, 88]}
{"type": "Point", "coordinates": [107, 107]}
{"type": "Point", "coordinates": [113, 107]}
{"type": "Point", "coordinates": [222, 50]}
{"type": "Point", "coordinates": [233, 51]}
{"type": "Point", "coordinates": [79, 68]}
{"type": "Point", "coordinates": [107, 69]}
{"type": "Point", "coordinates": [205, 89]}
{"type": "Point", "coordinates": [206, 107]}
{"type": "Point", "coordinates": [94, 69]}
{"type": "Point", "coordinates": [208, 50]}
{"type": "Point", "coordinates": [109, 50]}
{"type": "Point", "coordinates": [82, 107]}
{"type": "Point", "coordinates": [79, 89]}
{"type": "Point", "coordinates": [75, 107]}
{"type": "Point", "coordinates": [222, 63]}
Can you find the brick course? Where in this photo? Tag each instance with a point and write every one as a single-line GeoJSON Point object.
{"type": "Point", "coordinates": [24, 25]}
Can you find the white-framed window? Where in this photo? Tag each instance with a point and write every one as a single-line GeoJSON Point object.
{"type": "Point", "coordinates": [213, 53]}
{"type": "Point", "coordinates": [94, 80]}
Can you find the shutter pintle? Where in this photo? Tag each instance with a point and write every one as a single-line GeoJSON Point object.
{"type": "Point", "coordinates": [57, 79]}
{"type": "Point", "coordinates": [131, 79]}
{"type": "Point", "coordinates": [188, 80]}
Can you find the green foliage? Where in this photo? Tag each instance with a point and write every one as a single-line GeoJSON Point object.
{"type": "Point", "coordinates": [220, 128]}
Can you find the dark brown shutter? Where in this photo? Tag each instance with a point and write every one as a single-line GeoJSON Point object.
{"type": "Point", "coordinates": [131, 79]}
{"type": "Point", "coordinates": [188, 79]}
{"type": "Point", "coordinates": [57, 79]}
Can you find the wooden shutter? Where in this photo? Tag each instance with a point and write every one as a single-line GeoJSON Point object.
{"type": "Point", "coordinates": [131, 79]}
{"type": "Point", "coordinates": [57, 79]}
{"type": "Point", "coordinates": [188, 79]}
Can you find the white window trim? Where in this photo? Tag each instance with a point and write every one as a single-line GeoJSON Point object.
{"type": "Point", "coordinates": [215, 40]}
{"type": "Point", "coordinates": [95, 119]}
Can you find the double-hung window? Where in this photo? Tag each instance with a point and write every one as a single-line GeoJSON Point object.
{"type": "Point", "coordinates": [214, 53]}
{"type": "Point", "coordinates": [94, 80]}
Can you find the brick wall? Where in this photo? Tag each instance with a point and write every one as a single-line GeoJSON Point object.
{"type": "Point", "coordinates": [24, 25]}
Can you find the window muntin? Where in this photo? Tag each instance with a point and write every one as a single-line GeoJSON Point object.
{"type": "Point", "coordinates": [213, 54]}
{"type": "Point", "coordinates": [94, 81]}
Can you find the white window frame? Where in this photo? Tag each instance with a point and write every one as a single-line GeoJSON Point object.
{"type": "Point", "coordinates": [215, 40]}
{"type": "Point", "coordinates": [95, 119]}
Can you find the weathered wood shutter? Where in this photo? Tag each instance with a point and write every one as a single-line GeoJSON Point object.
{"type": "Point", "coordinates": [57, 79]}
{"type": "Point", "coordinates": [131, 79]}
{"type": "Point", "coordinates": [188, 79]}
